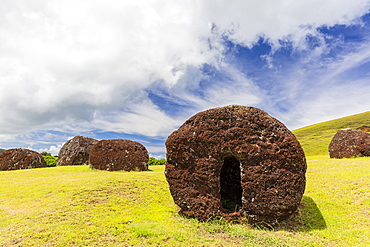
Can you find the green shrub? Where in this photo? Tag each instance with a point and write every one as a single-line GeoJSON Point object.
{"type": "Point", "coordinates": [154, 162]}
{"type": "Point", "coordinates": [50, 160]}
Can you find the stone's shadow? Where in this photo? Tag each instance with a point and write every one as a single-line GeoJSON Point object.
{"type": "Point", "coordinates": [307, 218]}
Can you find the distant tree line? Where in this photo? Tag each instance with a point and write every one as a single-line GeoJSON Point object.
{"type": "Point", "coordinates": [156, 162]}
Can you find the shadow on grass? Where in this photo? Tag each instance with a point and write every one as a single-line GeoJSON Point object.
{"type": "Point", "coordinates": [307, 218]}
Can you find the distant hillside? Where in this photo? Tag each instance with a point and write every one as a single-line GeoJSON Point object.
{"type": "Point", "coordinates": [315, 139]}
{"type": "Point", "coordinates": [1, 150]}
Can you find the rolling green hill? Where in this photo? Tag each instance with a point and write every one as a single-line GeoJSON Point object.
{"type": "Point", "coordinates": [315, 139]}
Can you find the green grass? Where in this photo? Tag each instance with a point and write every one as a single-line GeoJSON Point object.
{"type": "Point", "coordinates": [76, 206]}
{"type": "Point", "coordinates": [315, 139]}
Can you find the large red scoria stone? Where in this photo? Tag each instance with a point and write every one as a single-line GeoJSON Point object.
{"type": "Point", "coordinates": [76, 151]}
{"type": "Point", "coordinates": [119, 154]}
{"type": "Point", "coordinates": [348, 143]}
{"type": "Point", "coordinates": [20, 158]}
{"type": "Point", "coordinates": [235, 161]}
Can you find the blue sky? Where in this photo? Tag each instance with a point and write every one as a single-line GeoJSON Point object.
{"type": "Point", "coordinates": [138, 69]}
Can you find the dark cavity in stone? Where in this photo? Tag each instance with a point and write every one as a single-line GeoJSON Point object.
{"type": "Point", "coordinates": [230, 183]}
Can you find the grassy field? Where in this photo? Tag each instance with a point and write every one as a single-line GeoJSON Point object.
{"type": "Point", "coordinates": [315, 139]}
{"type": "Point", "coordinates": [77, 206]}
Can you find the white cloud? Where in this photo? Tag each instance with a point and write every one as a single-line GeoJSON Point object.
{"type": "Point", "coordinates": [154, 149]}
{"type": "Point", "coordinates": [357, 57]}
{"type": "Point", "coordinates": [69, 59]}
{"type": "Point", "coordinates": [278, 19]}
{"type": "Point", "coordinates": [84, 65]}
{"type": "Point", "coordinates": [332, 89]}
{"type": "Point", "coordinates": [141, 117]}
{"type": "Point", "coordinates": [53, 150]}
{"type": "Point", "coordinates": [237, 90]}
{"type": "Point", "coordinates": [332, 104]}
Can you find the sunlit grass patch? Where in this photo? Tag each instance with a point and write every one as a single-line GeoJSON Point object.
{"type": "Point", "coordinates": [77, 206]}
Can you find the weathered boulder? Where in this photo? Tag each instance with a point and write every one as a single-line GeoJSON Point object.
{"type": "Point", "coordinates": [235, 161]}
{"type": "Point", "coordinates": [364, 128]}
{"type": "Point", "coordinates": [75, 151]}
{"type": "Point", "coordinates": [119, 154]}
{"type": "Point", "coordinates": [348, 143]}
{"type": "Point", "coordinates": [20, 158]}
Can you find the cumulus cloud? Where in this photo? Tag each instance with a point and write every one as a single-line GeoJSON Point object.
{"type": "Point", "coordinates": [77, 66]}
{"type": "Point", "coordinates": [53, 150]}
{"type": "Point", "coordinates": [65, 59]}
{"type": "Point", "coordinates": [140, 117]}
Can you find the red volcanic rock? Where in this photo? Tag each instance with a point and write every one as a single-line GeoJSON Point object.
{"type": "Point", "coordinates": [119, 154]}
{"type": "Point", "coordinates": [75, 151]}
{"type": "Point", "coordinates": [235, 161]}
{"type": "Point", "coordinates": [348, 143]}
{"type": "Point", "coordinates": [20, 158]}
{"type": "Point", "coordinates": [364, 128]}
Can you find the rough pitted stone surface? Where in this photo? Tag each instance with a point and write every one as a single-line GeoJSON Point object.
{"type": "Point", "coordinates": [235, 161]}
{"type": "Point", "coordinates": [364, 128]}
{"type": "Point", "coordinates": [348, 143]}
{"type": "Point", "coordinates": [119, 154]}
{"type": "Point", "coordinates": [76, 151]}
{"type": "Point", "coordinates": [20, 158]}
